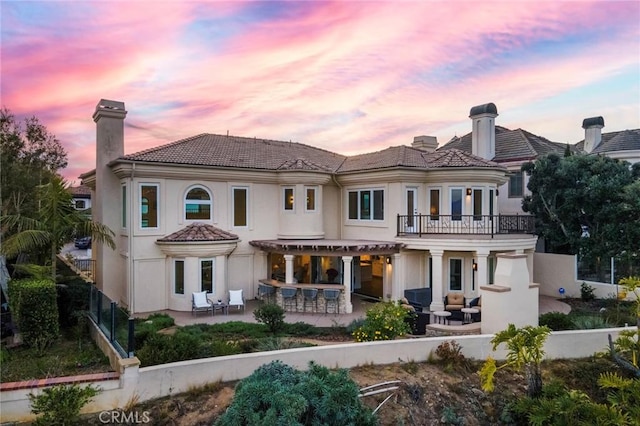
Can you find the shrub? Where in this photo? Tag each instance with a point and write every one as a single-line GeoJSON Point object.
{"type": "Point", "coordinates": [301, 329]}
{"type": "Point", "coordinates": [586, 292]}
{"type": "Point", "coordinates": [35, 310]}
{"type": "Point", "coordinates": [145, 327]}
{"type": "Point", "coordinates": [556, 321]}
{"type": "Point", "coordinates": [383, 321]}
{"type": "Point", "coordinates": [278, 343]}
{"type": "Point", "coordinates": [589, 322]}
{"type": "Point", "coordinates": [61, 405]}
{"type": "Point", "coordinates": [278, 394]}
{"type": "Point", "coordinates": [450, 354]}
{"type": "Point", "coordinates": [270, 314]}
{"type": "Point", "coordinates": [73, 297]}
{"type": "Point", "coordinates": [162, 349]}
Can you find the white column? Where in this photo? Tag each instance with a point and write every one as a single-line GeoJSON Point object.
{"type": "Point", "coordinates": [346, 275]}
{"type": "Point", "coordinates": [529, 254]}
{"type": "Point", "coordinates": [437, 292]}
{"type": "Point", "coordinates": [288, 268]}
{"type": "Point", "coordinates": [398, 283]}
{"type": "Point", "coordinates": [481, 273]}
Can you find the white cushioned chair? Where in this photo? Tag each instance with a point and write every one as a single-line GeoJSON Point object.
{"type": "Point", "coordinates": [236, 299]}
{"type": "Point", "coordinates": [199, 303]}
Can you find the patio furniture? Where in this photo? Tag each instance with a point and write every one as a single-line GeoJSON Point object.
{"type": "Point", "coordinates": [236, 299]}
{"type": "Point", "coordinates": [468, 315]}
{"type": "Point", "coordinates": [331, 297]}
{"type": "Point", "coordinates": [266, 292]}
{"type": "Point", "coordinates": [454, 302]}
{"type": "Point", "coordinates": [220, 306]}
{"type": "Point", "coordinates": [419, 298]}
{"type": "Point", "coordinates": [476, 303]}
{"type": "Point", "coordinates": [310, 295]}
{"type": "Point", "coordinates": [199, 303]}
{"type": "Point", "coordinates": [289, 297]}
{"type": "Point", "coordinates": [442, 317]}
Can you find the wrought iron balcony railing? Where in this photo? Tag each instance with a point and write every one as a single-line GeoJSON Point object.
{"type": "Point", "coordinates": [420, 224]}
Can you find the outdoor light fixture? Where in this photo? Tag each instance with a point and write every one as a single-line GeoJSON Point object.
{"type": "Point", "coordinates": [469, 191]}
{"type": "Point", "coordinates": [497, 192]}
{"type": "Point", "coordinates": [388, 260]}
{"type": "Point", "coordinates": [474, 265]}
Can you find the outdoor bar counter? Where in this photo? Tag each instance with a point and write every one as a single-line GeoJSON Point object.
{"type": "Point", "coordinates": [321, 302]}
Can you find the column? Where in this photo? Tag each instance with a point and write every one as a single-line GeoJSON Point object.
{"type": "Point", "coordinates": [529, 254]}
{"type": "Point", "coordinates": [398, 283]}
{"type": "Point", "coordinates": [481, 273]}
{"type": "Point", "coordinates": [346, 279]}
{"type": "Point", "coordinates": [288, 268]}
{"type": "Point", "coordinates": [437, 301]}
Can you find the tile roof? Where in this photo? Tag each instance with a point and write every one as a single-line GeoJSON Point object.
{"type": "Point", "coordinates": [252, 153]}
{"type": "Point", "coordinates": [624, 140]}
{"type": "Point", "coordinates": [511, 145]}
{"type": "Point", "coordinates": [240, 152]}
{"type": "Point", "coordinates": [79, 191]}
{"type": "Point", "coordinates": [198, 232]}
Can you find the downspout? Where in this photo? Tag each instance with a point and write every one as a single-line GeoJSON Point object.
{"type": "Point", "coordinates": [130, 209]}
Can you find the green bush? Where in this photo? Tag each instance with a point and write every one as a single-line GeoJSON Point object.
{"type": "Point", "coordinates": [35, 310]}
{"type": "Point", "coordinates": [277, 394]}
{"type": "Point", "coordinates": [278, 343]}
{"type": "Point", "coordinates": [450, 354]}
{"type": "Point", "coordinates": [73, 297]}
{"type": "Point", "coordinates": [61, 405]}
{"type": "Point", "coordinates": [270, 314]}
{"type": "Point", "coordinates": [586, 292]}
{"type": "Point", "coordinates": [383, 321]}
{"type": "Point", "coordinates": [589, 322]}
{"type": "Point", "coordinates": [146, 327]}
{"type": "Point", "coordinates": [556, 321]}
{"type": "Point", "coordinates": [162, 349]}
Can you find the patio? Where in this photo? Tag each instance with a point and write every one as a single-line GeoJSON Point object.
{"type": "Point", "coordinates": [321, 319]}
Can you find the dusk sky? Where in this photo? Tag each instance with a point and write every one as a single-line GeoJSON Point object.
{"type": "Point", "coordinates": [350, 77]}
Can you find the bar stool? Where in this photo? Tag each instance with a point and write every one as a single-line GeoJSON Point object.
{"type": "Point", "coordinates": [289, 297]}
{"type": "Point", "coordinates": [266, 292]}
{"type": "Point", "coordinates": [331, 297]}
{"type": "Point", "coordinates": [310, 295]}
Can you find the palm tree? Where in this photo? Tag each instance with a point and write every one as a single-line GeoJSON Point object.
{"type": "Point", "coordinates": [57, 222]}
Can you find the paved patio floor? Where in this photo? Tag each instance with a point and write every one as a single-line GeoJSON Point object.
{"type": "Point", "coordinates": [360, 305]}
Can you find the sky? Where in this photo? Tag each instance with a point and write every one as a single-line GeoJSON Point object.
{"type": "Point", "coordinates": [346, 76]}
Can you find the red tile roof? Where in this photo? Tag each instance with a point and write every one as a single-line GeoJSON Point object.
{"type": "Point", "coordinates": [199, 232]}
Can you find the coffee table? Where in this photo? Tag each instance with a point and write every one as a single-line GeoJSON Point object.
{"type": "Point", "coordinates": [220, 307]}
{"type": "Point", "coordinates": [442, 317]}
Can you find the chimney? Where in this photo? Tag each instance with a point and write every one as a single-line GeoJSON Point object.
{"type": "Point", "coordinates": [106, 209]}
{"type": "Point", "coordinates": [425, 143]}
{"type": "Point", "coordinates": [483, 134]}
{"type": "Point", "coordinates": [592, 132]}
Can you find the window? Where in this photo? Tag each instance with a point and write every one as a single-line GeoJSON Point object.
{"type": "Point", "coordinates": [197, 204]}
{"type": "Point", "coordinates": [149, 206]}
{"type": "Point", "coordinates": [491, 195]}
{"type": "Point", "coordinates": [366, 205]}
{"type": "Point", "coordinates": [288, 199]}
{"type": "Point", "coordinates": [491, 269]}
{"type": "Point", "coordinates": [477, 204]}
{"type": "Point", "coordinates": [456, 204]}
{"type": "Point", "coordinates": [516, 184]}
{"type": "Point", "coordinates": [455, 274]}
{"type": "Point", "coordinates": [434, 204]}
{"type": "Point", "coordinates": [178, 276]}
{"type": "Point", "coordinates": [124, 206]}
{"type": "Point", "coordinates": [206, 275]}
{"type": "Point", "coordinates": [311, 199]}
{"type": "Point", "coordinates": [81, 204]}
{"type": "Point", "coordinates": [240, 204]}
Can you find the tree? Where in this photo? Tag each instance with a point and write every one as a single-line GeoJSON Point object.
{"type": "Point", "coordinates": [56, 224]}
{"type": "Point", "coordinates": [30, 156]}
{"type": "Point", "coordinates": [586, 204]}
{"type": "Point", "coordinates": [525, 346]}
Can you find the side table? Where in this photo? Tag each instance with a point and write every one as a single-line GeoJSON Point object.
{"type": "Point", "coordinates": [442, 317]}
{"type": "Point", "coordinates": [220, 307]}
{"type": "Point", "coordinates": [468, 314]}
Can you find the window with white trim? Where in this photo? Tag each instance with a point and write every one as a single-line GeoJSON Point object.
{"type": "Point", "coordinates": [310, 193]}
{"type": "Point", "coordinates": [149, 205]}
{"type": "Point", "coordinates": [178, 276]}
{"type": "Point", "coordinates": [240, 206]}
{"type": "Point", "coordinates": [288, 198]}
{"type": "Point", "coordinates": [206, 275]}
{"type": "Point", "coordinates": [367, 204]}
{"type": "Point", "coordinates": [197, 204]}
{"type": "Point", "coordinates": [477, 204]}
{"type": "Point", "coordinates": [516, 184]}
{"type": "Point", "coordinates": [456, 203]}
{"type": "Point", "coordinates": [434, 204]}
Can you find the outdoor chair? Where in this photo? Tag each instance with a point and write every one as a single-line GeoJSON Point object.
{"type": "Point", "coordinates": [310, 295]}
{"type": "Point", "coordinates": [289, 297]}
{"type": "Point", "coordinates": [199, 303]}
{"type": "Point", "coordinates": [331, 297]}
{"type": "Point", "coordinates": [476, 303]}
{"type": "Point", "coordinates": [454, 302]}
{"type": "Point", "coordinates": [266, 292]}
{"type": "Point", "coordinates": [236, 299]}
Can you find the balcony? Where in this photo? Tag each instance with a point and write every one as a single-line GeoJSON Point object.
{"type": "Point", "coordinates": [420, 224]}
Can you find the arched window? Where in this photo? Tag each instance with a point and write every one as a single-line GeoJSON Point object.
{"type": "Point", "coordinates": [197, 204]}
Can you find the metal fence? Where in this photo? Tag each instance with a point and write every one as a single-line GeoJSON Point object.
{"type": "Point", "coordinates": [608, 270]}
{"type": "Point", "coordinates": [114, 322]}
{"type": "Point", "coordinates": [86, 266]}
{"type": "Point", "coordinates": [420, 224]}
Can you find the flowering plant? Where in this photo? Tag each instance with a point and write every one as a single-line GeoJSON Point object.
{"type": "Point", "coordinates": [383, 321]}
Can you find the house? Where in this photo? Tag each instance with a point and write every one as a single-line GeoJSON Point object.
{"type": "Point", "coordinates": [510, 148]}
{"type": "Point", "coordinates": [623, 145]}
{"type": "Point", "coordinates": [219, 212]}
{"type": "Point", "coordinates": [81, 197]}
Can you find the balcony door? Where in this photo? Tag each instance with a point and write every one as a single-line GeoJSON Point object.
{"type": "Point", "coordinates": [411, 224]}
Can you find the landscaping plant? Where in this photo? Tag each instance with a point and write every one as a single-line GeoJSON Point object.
{"type": "Point", "coordinates": [270, 314]}
{"type": "Point", "coordinates": [61, 405]}
{"type": "Point", "coordinates": [383, 321]}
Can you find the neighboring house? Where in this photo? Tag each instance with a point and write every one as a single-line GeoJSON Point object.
{"type": "Point", "coordinates": [623, 145]}
{"type": "Point", "coordinates": [219, 212]}
{"type": "Point", "coordinates": [509, 148]}
{"type": "Point", "coordinates": [81, 197]}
